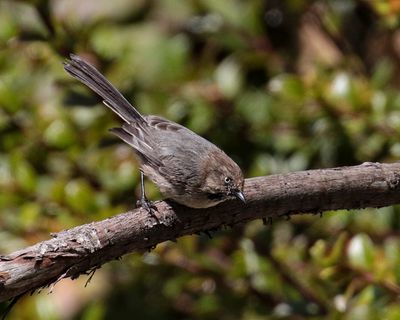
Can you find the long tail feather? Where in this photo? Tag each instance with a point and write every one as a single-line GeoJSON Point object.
{"type": "Point", "coordinates": [91, 77]}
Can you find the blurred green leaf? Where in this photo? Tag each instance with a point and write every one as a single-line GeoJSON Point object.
{"type": "Point", "coordinates": [23, 173]}
{"type": "Point", "coordinates": [59, 134]}
{"type": "Point", "coordinates": [361, 252]}
{"type": "Point", "coordinates": [228, 77]}
{"type": "Point", "coordinates": [80, 196]}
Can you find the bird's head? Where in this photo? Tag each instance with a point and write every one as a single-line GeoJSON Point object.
{"type": "Point", "coordinates": [223, 178]}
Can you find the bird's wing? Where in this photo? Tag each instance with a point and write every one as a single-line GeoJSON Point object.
{"type": "Point", "coordinates": [162, 124]}
{"type": "Point", "coordinates": [135, 138]}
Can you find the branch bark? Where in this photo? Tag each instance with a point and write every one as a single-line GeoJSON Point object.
{"type": "Point", "coordinates": [85, 248]}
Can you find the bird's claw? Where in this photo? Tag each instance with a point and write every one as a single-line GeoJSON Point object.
{"type": "Point", "coordinates": [150, 208]}
{"type": "Point", "coordinates": [147, 205]}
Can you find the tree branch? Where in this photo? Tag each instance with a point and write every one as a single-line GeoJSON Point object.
{"type": "Point", "coordinates": [84, 248]}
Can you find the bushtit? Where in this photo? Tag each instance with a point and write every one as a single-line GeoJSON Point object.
{"type": "Point", "coordinates": [186, 168]}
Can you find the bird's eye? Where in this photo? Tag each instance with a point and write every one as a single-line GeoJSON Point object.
{"type": "Point", "coordinates": [228, 180]}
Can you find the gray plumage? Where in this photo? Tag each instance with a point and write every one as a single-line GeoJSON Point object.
{"type": "Point", "coordinates": [186, 167]}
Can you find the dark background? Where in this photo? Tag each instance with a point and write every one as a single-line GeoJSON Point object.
{"type": "Point", "coordinates": [279, 85]}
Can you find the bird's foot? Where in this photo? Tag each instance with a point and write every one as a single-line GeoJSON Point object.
{"type": "Point", "coordinates": [147, 205]}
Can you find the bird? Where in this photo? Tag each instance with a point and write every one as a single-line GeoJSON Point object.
{"type": "Point", "coordinates": [186, 167]}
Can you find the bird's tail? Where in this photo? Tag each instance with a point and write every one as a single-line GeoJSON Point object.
{"type": "Point", "coordinates": [91, 77]}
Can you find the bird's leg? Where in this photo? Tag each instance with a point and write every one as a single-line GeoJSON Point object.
{"type": "Point", "coordinates": [144, 202]}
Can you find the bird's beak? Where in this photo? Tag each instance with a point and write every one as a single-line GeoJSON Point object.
{"type": "Point", "coordinates": [239, 195]}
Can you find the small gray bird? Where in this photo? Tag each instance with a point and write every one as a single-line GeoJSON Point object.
{"type": "Point", "coordinates": [186, 167]}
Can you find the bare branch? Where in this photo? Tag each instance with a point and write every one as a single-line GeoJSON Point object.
{"type": "Point", "coordinates": [84, 248]}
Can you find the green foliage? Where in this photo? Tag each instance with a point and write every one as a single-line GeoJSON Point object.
{"type": "Point", "coordinates": [280, 86]}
